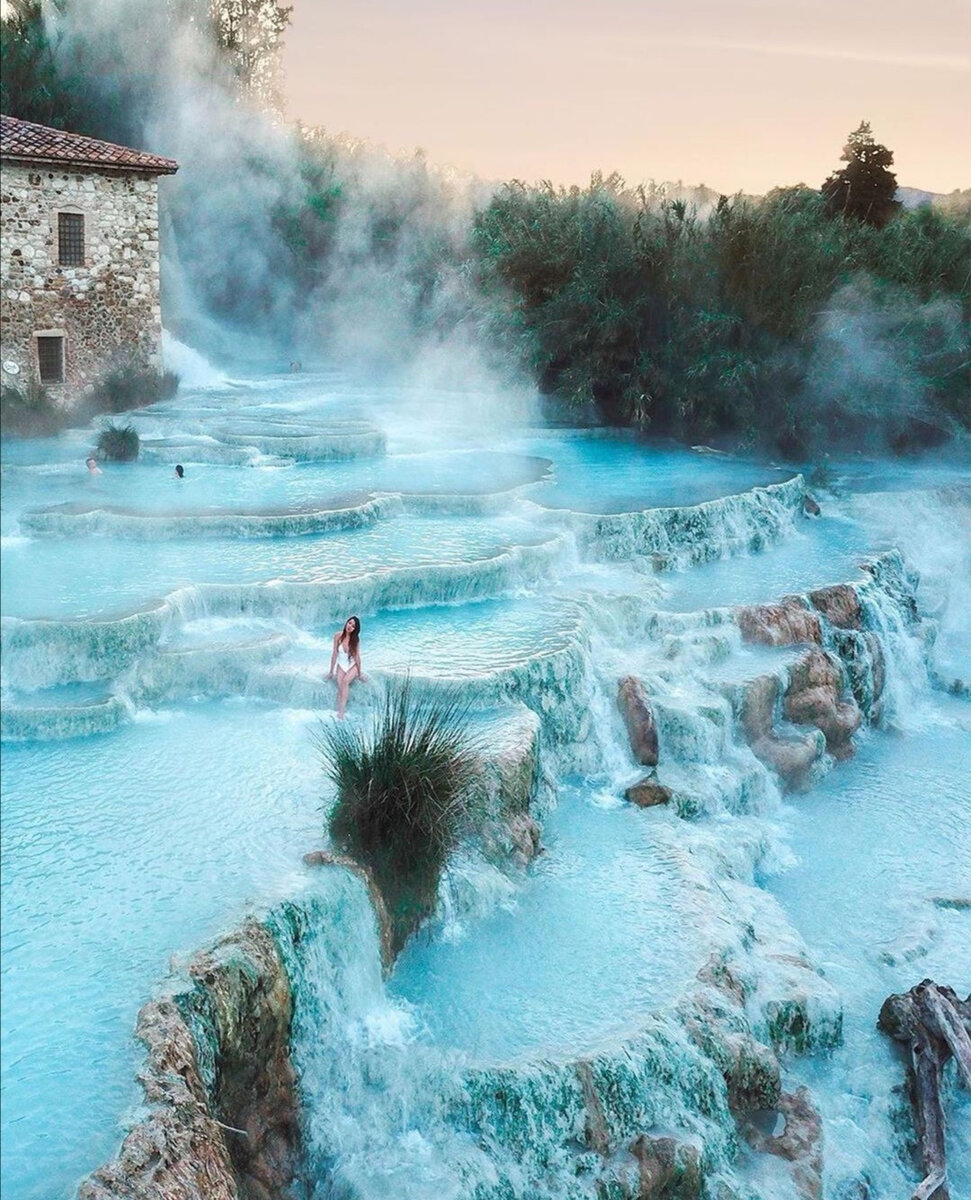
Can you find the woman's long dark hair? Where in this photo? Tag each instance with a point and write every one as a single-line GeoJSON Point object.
{"type": "Point", "coordinates": [350, 640]}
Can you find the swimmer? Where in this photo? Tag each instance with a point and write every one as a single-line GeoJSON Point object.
{"type": "Point", "coordinates": [179, 471]}
{"type": "Point", "coordinates": [346, 658]}
{"type": "Point", "coordinates": [92, 464]}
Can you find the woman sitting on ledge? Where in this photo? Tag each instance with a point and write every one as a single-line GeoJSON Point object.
{"type": "Point", "coordinates": [346, 658]}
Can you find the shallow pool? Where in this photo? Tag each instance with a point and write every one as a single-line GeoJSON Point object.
{"type": "Point", "coordinates": [880, 893]}
{"type": "Point", "coordinates": [118, 852]}
{"type": "Point", "coordinates": [607, 928]}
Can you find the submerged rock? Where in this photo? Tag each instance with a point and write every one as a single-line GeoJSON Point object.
{"type": "Point", "coordinates": [639, 719]}
{"type": "Point", "coordinates": [647, 792]}
{"type": "Point", "coordinates": [667, 1169]}
{"type": "Point", "coordinates": [799, 1142]}
{"type": "Point", "coordinates": [791, 755]}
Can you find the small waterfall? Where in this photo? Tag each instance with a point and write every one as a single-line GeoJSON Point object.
{"type": "Point", "coordinates": [192, 368]}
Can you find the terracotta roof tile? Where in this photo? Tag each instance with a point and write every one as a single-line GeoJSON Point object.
{"type": "Point", "coordinates": [40, 144]}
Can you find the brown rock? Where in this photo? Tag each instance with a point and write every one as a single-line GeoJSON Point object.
{"type": "Point", "coordinates": [813, 697]}
{"type": "Point", "coordinates": [792, 758]}
{"type": "Point", "coordinates": [667, 1168]}
{"type": "Point", "coordinates": [810, 506]}
{"type": "Point", "coordinates": [784, 624]}
{"type": "Point", "coordinates": [648, 792]}
{"type": "Point", "coordinates": [800, 1142]}
{"type": "Point", "coordinates": [639, 719]}
{"type": "Point", "coordinates": [839, 604]}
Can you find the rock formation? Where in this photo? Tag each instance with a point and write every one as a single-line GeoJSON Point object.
{"type": "Point", "coordinates": [218, 1080]}
{"type": "Point", "coordinates": [813, 697]}
{"type": "Point", "coordinates": [935, 1025]}
{"type": "Point", "coordinates": [839, 680]}
{"type": "Point", "coordinates": [791, 755]}
{"type": "Point", "coordinates": [647, 792]}
{"type": "Point", "coordinates": [839, 604]}
{"type": "Point", "coordinates": [784, 624]}
{"type": "Point", "coordinates": [799, 1141]}
{"type": "Point", "coordinates": [639, 719]}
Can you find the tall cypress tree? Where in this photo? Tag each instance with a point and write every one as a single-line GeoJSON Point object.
{"type": "Point", "coordinates": [865, 187]}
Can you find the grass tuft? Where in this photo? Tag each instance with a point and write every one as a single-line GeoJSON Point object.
{"type": "Point", "coordinates": [402, 796]}
{"type": "Point", "coordinates": [118, 443]}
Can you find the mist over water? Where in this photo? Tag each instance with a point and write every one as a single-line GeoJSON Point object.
{"type": "Point", "coordinates": [277, 244]}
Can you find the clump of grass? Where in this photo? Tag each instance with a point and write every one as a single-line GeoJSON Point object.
{"type": "Point", "coordinates": [402, 797]}
{"type": "Point", "coordinates": [118, 443]}
{"type": "Point", "coordinates": [28, 410]}
{"type": "Point", "coordinates": [132, 387]}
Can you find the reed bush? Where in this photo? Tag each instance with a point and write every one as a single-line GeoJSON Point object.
{"type": "Point", "coordinates": [402, 796]}
{"type": "Point", "coordinates": [132, 387]}
{"type": "Point", "coordinates": [118, 443]}
{"type": "Point", "coordinates": [28, 410]}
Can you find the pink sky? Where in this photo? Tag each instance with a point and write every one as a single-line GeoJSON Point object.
{"type": "Point", "coordinates": [737, 95]}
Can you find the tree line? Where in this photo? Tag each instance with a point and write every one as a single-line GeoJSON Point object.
{"type": "Point", "coordinates": [808, 318]}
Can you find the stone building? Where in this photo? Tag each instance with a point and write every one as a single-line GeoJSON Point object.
{"type": "Point", "coordinates": [79, 257]}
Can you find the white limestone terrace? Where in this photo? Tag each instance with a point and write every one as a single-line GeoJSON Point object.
{"type": "Point", "coordinates": [204, 656]}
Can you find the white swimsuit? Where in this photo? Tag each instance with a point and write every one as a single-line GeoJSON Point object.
{"type": "Point", "coordinates": [344, 660]}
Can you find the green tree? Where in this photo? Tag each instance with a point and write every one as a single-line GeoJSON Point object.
{"type": "Point", "coordinates": [251, 32]}
{"type": "Point", "coordinates": [865, 187]}
{"type": "Point", "coordinates": [31, 85]}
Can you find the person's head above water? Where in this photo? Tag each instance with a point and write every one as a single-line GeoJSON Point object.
{"type": "Point", "coordinates": [92, 464]}
{"type": "Point", "coordinates": [351, 632]}
{"type": "Point", "coordinates": [179, 471]}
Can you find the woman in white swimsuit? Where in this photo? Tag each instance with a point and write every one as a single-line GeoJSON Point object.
{"type": "Point", "coordinates": [346, 661]}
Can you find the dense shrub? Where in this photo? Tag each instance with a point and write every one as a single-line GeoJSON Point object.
{"type": "Point", "coordinates": [132, 387]}
{"type": "Point", "coordinates": [726, 326]}
{"type": "Point", "coordinates": [28, 410]}
{"type": "Point", "coordinates": [118, 443]}
{"type": "Point", "coordinates": [401, 797]}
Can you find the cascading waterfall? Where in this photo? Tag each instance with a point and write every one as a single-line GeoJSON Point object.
{"type": "Point", "coordinates": [616, 1011]}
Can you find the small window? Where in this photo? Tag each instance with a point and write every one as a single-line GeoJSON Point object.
{"type": "Point", "coordinates": [50, 359]}
{"type": "Point", "coordinates": [70, 239]}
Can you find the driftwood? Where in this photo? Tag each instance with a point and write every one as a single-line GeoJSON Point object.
{"type": "Point", "coordinates": [936, 1026]}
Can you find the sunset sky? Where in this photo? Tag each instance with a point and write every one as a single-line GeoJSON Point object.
{"type": "Point", "coordinates": [737, 94]}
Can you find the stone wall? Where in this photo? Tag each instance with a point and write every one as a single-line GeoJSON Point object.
{"type": "Point", "coordinates": [108, 309]}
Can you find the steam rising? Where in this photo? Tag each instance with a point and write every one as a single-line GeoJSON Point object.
{"type": "Point", "coordinates": [876, 354]}
{"type": "Point", "coordinates": [388, 295]}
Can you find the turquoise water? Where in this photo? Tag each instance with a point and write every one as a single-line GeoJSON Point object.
{"type": "Point", "coordinates": [893, 826]}
{"type": "Point", "coordinates": [75, 577]}
{"type": "Point", "coordinates": [123, 848]}
{"type": "Point", "coordinates": [608, 901]}
{"type": "Point", "coordinates": [118, 852]}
